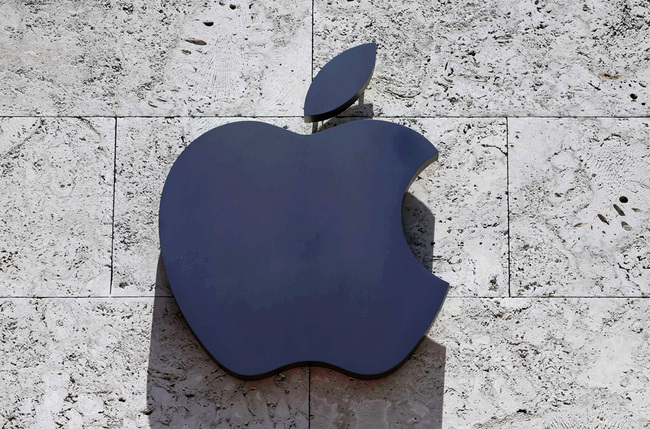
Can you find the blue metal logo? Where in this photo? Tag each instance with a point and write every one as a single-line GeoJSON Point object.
{"type": "Point", "coordinates": [285, 249]}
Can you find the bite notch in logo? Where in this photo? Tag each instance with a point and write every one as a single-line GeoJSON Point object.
{"type": "Point", "coordinates": [283, 249]}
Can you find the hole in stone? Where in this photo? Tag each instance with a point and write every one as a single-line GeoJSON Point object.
{"type": "Point", "coordinates": [208, 23]}
{"type": "Point", "coordinates": [618, 210]}
{"type": "Point", "coordinates": [196, 41]}
{"type": "Point", "coordinates": [233, 7]}
{"type": "Point", "coordinates": [623, 199]}
{"type": "Point", "coordinates": [634, 96]}
{"type": "Point", "coordinates": [626, 226]}
{"type": "Point", "coordinates": [602, 218]}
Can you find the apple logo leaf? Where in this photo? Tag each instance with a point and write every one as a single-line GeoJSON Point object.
{"type": "Point", "coordinates": [340, 82]}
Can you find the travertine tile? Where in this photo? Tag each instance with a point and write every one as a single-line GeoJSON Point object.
{"type": "Point", "coordinates": [497, 58]}
{"type": "Point", "coordinates": [127, 363]}
{"type": "Point", "coordinates": [465, 193]}
{"type": "Point", "coordinates": [146, 150]}
{"type": "Point", "coordinates": [74, 362]}
{"type": "Point", "coordinates": [188, 390]}
{"type": "Point", "coordinates": [56, 204]}
{"type": "Point", "coordinates": [146, 58]}
{"type": "Point", "coordinates": [580, 207]}
{"type": "Point", "coordinates": [507, 363]}
{"type": "Point", "coordinates": [464, 190]}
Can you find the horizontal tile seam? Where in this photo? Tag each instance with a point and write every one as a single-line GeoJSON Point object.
{"type": "Point", "coordinates": [300, 117]}
{"type": "Point", "coordinates": [117, 297]}
{"type": "Point", "coordinates": [553, 297]}
{"type": "Point", "coordinates": [105, 297]}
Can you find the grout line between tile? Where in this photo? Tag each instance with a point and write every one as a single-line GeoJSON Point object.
{"type": "Point", "coordinates": [117, 297]}
{"type": "Point", "coordinates": [508, 201]}
{"type": "Point", "coordinates": [553, 297]}
{"type": "Point", "coordinates": [110, 286]}
{"type": "Point", "coordinates": [339, 116]}
{"type": "Point", "coordinates": [313, 130]}
{"type": "Point", "coordinates": [580, 297]}
{"type": "Point", "coordinates": [312, 40]}
{"type": "Point", "coordinates": [107, 297]}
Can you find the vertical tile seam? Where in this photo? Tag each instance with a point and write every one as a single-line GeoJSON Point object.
{"type": "Point", "coordinates": [312, 79]}
{"type": "Point", "coordinates": [110, 286]}
{"type": "Point", "coordinates": [312, 41]}
{"type": "Point", "coordinates": [508, 200]}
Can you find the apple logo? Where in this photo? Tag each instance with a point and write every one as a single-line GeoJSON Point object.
{"type": "Point", "coordinates": [284, 249]}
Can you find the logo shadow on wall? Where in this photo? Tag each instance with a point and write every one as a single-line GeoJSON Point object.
{"type": "Point", "coordinates": [187, 388]}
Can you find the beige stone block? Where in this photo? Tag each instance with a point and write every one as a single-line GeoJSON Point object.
{"type": "Point", "coordinates": [146, 150]}
{"type": "Point", "coordinates": [127, 363]}
{"type": "Point", "coordinates": [464, 192]}
{"type": "Point", "coordinates": [507, 363]}
{"type": "Point", "coordinates": [56, 204]}
{"type": "Point", "coordinates": [142, 58]}
{"type": "Point", "coordinates": [496, 58]}
{"type": "Point", "coordinates": [580, 207]}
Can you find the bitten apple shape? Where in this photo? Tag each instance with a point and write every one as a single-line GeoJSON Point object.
{"type": "Point", "coordinates": [283, 249]}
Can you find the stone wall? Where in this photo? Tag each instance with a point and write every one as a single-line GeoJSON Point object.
{"type": "Point", "coordinates": [539, 206]}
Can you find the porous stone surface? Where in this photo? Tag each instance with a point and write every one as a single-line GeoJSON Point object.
{"type": "Point", "coordinates": [455, 215]}
{"type": "Point", "coordinates": [539, 223]}
{"type": "Point", "coordinates": [56, 176]}
{"type": "Point", "coordinates": [513, 363]}
{"type": "Point", "coordinates": [186, 388]}
{"type": "Point", "coordinates": [74, 362]}
{"type": "Point", "coordinates": [146, 150]}
{"type": "Point", "coordinates": [580, 207]}
{"type": "Point", "coordinates": [127, 363]}
{"type": "Point", "coordinates": [154, 58]}
{"type": "Point", "coordinates": [497, 58]}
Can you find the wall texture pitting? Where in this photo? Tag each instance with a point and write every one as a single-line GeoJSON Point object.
{"type": "Point", "coordinates": [536, 212]}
